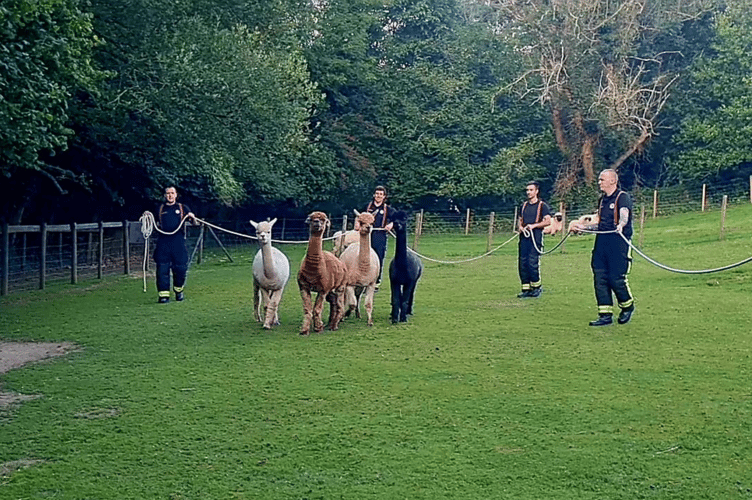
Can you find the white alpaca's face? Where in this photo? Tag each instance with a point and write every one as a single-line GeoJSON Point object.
{"type": "Point", "coordinates": [264, 232]}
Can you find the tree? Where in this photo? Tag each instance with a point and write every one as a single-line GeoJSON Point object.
{"type": "Point", "coordinates": [716, 133]}
{"type": "Point", "coordinates": [411, 103]}
{"type": "Point", "coordinates": [597, 69]}
{"type": "Point", "coordinates": [46, 56]}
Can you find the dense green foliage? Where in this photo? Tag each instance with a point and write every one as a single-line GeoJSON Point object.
{"type": "Point", "coordinates": [293, 104]}
{"type": "Point", "coordinates": [481, 395]}
{"type": "Point", "coordinates": [45, 56]}
{"type": "Point", "coordinates": [715, 136]}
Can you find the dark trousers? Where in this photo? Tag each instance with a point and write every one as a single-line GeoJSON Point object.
{"type": "Point", "coordinates": [611, 263]}
{"type": "Point", "coordinates": [528, 263]}
{"type": "Point", "coordinates": [171, 255]}
{"type": "Point", "coordinates": [378, 243]}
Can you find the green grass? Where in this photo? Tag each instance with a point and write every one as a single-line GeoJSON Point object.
{"type": "Point", "coordinates": [481, 395]}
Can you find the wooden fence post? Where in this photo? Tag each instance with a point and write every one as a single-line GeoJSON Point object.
{"type": "Point", "coordinates": [24, 247]}
{"type": "Point", "coordinates": [201, 244]}
{"type": "Point", "coordinates": [467, 221]}
{"type": "Point", "coordinates": [750, 188]}
{"type": "Point", "coordinates": [655, 203]}
{"type": "Point", "coordinates": [491, 229]}
{"type": "Point", "coordinates": [418, 229]}
{"type": "Point", "coordinates": [60, 249]}
{"type": "Point", "coordinates": [126, 248]}
{"type": "Point", "coordinates": [642, 226]}
{"type": "Point", "coordinates": [100, 251]}
{"type": "Point", "coordinates": [74, 253]}
{"type": "Point", "coordinates": [723, 216]}
{"type": "Point", "coordinates": [514, 220]}
{"type": "Point", "coordinates": [564, 232]}
{"type": "Point", "coordinates": [42, 254]}
{"type": "Point", "coordinates": [704, 196]}
{"type": "Point", "coordinates": [6, 260]}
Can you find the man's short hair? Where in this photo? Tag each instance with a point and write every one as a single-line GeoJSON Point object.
{"type": "Point", "coordinates": [380, 188]}
{"type": "Point", "coordinates": [534, 183]}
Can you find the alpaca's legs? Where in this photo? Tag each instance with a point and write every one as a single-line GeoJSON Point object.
{"type": "Point", "coordinates": [338, 312]}
{"type": "Point", "coordinates": [351, 303]}
{"type": "Point", "coordinates": [272, 306]}
{"type": "Point", "coordinates": [358, 291]}
{"type": "Point", "coordinates": [369, 302]}
{"type": "Point", "coordinates": [407, 306]}
{"type": "Point", "coordinates": [318, 323]}
{"type": "Point", "coordinates": [396, 301]}
{"type": "Point", "coordinates": [305, 328]}
{"type": "Point", "coordinates": [256, 305]}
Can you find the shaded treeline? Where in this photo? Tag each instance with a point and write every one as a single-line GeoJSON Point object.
{"type": "Point", "coordinates": [268, 108]}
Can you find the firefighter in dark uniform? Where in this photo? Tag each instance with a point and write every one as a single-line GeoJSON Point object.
{"type": "Point", "coordinates": [171, 253]}
{"type": "Point", "coordinates": [382, 213]}
{"type": "Point", "coordinates": [534, 216]}
{"type": "Point", "coordinates": [612, 256]}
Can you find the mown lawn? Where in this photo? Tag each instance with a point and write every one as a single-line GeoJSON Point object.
{"type": "Point", "coordinates": [481, 395]}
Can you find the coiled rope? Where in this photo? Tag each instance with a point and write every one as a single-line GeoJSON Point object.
{"type": "Point", "coordinates": [672, 269]}
{"type": "Point", "coordinates": [148, 225]}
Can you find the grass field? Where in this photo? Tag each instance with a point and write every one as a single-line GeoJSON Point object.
{"type": "Point", "coordinates": [480, 396]}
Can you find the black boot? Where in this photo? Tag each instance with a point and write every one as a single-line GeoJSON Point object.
{"type": "Point", "coordinates": [625, 315]}
{"type": "Point", "coordinates": [179, 296]}
{"type": "Point", "coordinates": [523, 294]}
{"type": "Point", "coordinates": [535, 292]}
{"type": "Point", "coordinates": [163, 300]}
{"type": "Point", "coordinates": [603, 320]}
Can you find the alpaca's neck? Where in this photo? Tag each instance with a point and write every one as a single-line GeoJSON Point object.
{"type": "Point", "coordinates": [315, 251]}
{"type": "Point", "coordinates": [400, 251]}
{"type": "Point", "coordinates": [364, 251]}
{"type": "Point", "coordinates": [268, 260]}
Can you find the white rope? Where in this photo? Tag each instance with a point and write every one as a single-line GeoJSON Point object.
{"type": "Point", "coordinates": [672, 269]}
{"type": "Point", "coordinates": [528, 234]}
{"type": "Point", "coordinates": [300, 242]}
{"type": "Point", "coordinates": [464, 260]}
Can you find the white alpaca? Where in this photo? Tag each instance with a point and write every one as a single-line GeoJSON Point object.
{"type": "Point", "coordinates": [344, 240]}
{"type": "Point", "coordinates": [362, 269]}
{"type": "Point", "coordinates": [271, 270]}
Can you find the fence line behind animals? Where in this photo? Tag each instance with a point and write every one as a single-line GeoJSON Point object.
{"type": "Point", "coordinates": [106, 249]}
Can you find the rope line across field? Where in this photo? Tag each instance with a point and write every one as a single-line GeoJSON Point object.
{"type": "Point", "coordinates": [148, 226]}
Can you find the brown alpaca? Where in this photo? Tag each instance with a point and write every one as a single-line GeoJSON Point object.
{"type": "Point", "coordinates": [323, 273]}
{"type": "Point", "coordinates": [362, 270]}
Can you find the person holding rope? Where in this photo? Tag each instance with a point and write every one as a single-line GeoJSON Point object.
{"type": "Point", "coordinates": [535, 215]}
{"type": "Point", "coordinates": [382, 214]}
{"type": "Point", "coordinates": [171, 253]}
{"type": "Point", "coordinates": [612, 253]}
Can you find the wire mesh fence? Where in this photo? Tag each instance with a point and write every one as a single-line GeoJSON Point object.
{"type": "Point", "coordinates": [35, 256]}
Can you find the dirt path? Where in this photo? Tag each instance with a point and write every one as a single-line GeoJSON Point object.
{"type": "Point", "coordinates": [16, 354]}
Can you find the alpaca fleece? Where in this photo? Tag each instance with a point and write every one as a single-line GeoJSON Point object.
{"type": "Point", "coordinates": [323, 273]}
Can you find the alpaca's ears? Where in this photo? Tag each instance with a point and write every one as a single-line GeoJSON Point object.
{"type": "Point", "coordinates": [357, 214]}
{"type": "Point", "coordinates": [254, 224]}
{"type": "Point", "coordinates": [271, 222]}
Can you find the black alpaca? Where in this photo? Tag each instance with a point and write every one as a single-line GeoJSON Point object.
{"type": "Point", "coordinates": [404, 272]}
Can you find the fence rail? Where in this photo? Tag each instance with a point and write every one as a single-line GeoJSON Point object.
{"type": "Point", "coordinates": [35, 255]}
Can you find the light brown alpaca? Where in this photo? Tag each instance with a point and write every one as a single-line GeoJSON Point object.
{"type": "Point", "coordinates": [362, 270]}
{"type": "Point", "coordinates": [323, 273]}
